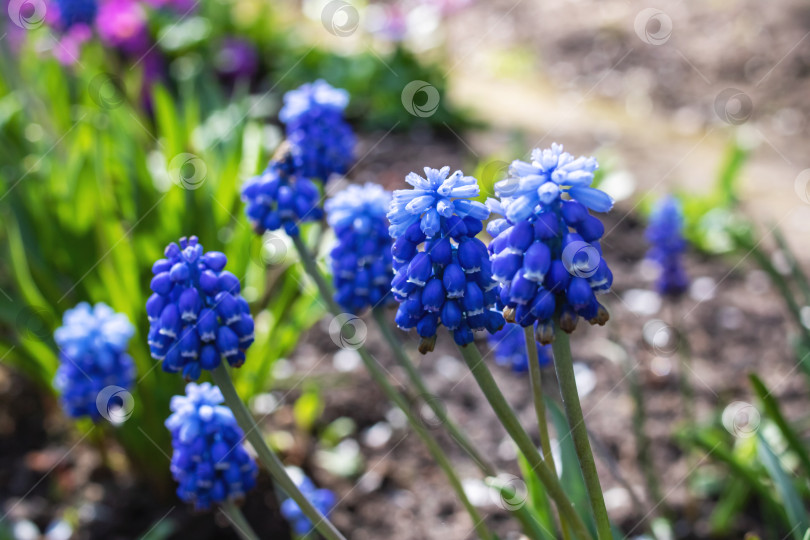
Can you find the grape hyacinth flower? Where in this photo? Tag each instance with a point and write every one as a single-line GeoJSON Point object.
{"type": "Point", "coordinates": [92, 350]}
{"type": "Point", "coordinates": [443, 274]}
{"type": "Point", "coordinates": [280, 197]}
{"type": "Point", "coordinates": [209, 462]}
{"type": "Point", "coordinates": [545, 252]}
{"type": "Point", "coordinates": [65, 14]}
{"type": "Point", "coordinates": [509, 347]}
{"type": "Point", "coordinates": [321, 139]}
{"type": "Point", "coordinates": [361, 262]}
{"type": "Point", "coordinates": [196, 314]}
{"type": "Point", "coordinates": [322, 499]}
{"type": "Point", "coordinates": [665, 235]}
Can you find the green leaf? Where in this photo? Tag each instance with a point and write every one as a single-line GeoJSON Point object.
{"type": "Point", "coordinates": [571, 478]}
{"type": "Point", "coordinates": [308, 408]}
{"type": "Point", "coordinates": [775, 414]}
{"type": "Point", "coordinates": [792, 503]}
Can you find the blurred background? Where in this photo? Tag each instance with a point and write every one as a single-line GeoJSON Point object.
{"type": "Point", "coordinates": [126, 124]}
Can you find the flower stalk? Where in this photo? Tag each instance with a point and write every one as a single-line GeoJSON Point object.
{"type": "Point", "coordinates": [564, 366]}
{"type": "Point", "coordinates": [540, 408]}
{"type": "Point", "coordinates": [379, 377]}
{"type": "Point", "coordinates": [238, 521]}
{"type": "Point", "coordinates": [272, 463]}
{"type": "Point", "coordinates": [416, 379]}
{"type": "Point", "coordinates": [524, 443]}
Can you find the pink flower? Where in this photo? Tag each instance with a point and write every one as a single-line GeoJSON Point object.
{"type": "Point", "coordinates": [122, 24]}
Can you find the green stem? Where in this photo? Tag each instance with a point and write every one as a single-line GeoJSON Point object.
{"type": "Point", "coordinates": [274, 466]}
{"type": "Point", "coordinates": [416, 379]}
{"type": "Point", "coordinates": [524, 443]}
{"type": "Point", "coordinates": [564, 365]}
{"type": "Point", "coordinates": [238, 521]}
{"type": "Point", "coordinates": [536, 381]}
{"type": "Point", "coordinates": [379, 376]}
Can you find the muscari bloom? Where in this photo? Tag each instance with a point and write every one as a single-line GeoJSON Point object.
{"type": "Point", "coordinates": [280, 197]}
{"type": "Point", "coordinates": [665, 235]}
{"type": "Point", "coordinates": [92, 350]}
{"type": "Point", "coordinates": [321, 139]}
{"type": "Point", "coordinates": [361, 261]}
{"type": "Point", "coordinates": [64, 14]}
{"type": "Point", "coordinates": [196, 314]}
{"type": "Point", "coordinates": [509, 348]}
{"type": "Point", "coordinates": [209, 462]}
{"type": "Point", "coordinates": [443, 274]}
{"type": "Point", "coordinates": [545, 252]}
{"type": "Point", "coordinates": [322, 499]}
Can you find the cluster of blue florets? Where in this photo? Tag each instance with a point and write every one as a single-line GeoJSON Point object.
{"type": "Point", "coordinates": [92, 352]}
{"type": "Point", "coordinates": [509, 348]}
{"type": "Point", "coordinates": [196, 314]}
{"type": "Point", "coordinates": [209, 462]}
{"type": "Point", "coordinates": [665, 235]}
{"type": "Point", "coordinates": [545, 252]}
{"type": "Point", "coordinates": [361, 261]}
{"type": "Point", "coordinates": [280, 197]}
{"type": "Point", "coordinates": [72, 12]}
{"type": "Point", "coordinates": [322, 142]}
{"type": "Point", "coordinates": [322, 499]}
{"type": "Point", "coordinates": [443, 274]}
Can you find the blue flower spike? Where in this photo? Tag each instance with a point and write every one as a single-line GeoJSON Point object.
{"type": "Point", "coordinates": [362, 263]}
{"type": "Point", "coordinates": [280, 196]}
{"type": "Point", "coordinates": [442, 275]}
{"type": "Point", "coordinates": [545, 250]}
{"type": "Point", "coordinates": [209, 462]}
{"type": "Point", "coordinates": [322, 499]}
{"type": "Point", "coordinates": [509, 348]}
{"type": "Point", "coordinates": [197, 315]}
{"type": "Point", "coordinates": [93, 355]}
{"type": "Point", "coordinates": [322, 141]}
{"type": "Point", "coordinates": [665, 235]}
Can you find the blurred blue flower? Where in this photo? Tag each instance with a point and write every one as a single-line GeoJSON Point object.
{"type": "Point", "coordinates": [509, 347]}
{"type": "Point", "coordinates": [196, 314]}
{"type": "Point", "coordinates": [321, 139]}
{"type": "Point", "coordinates": [279, 197]}
{"type": "Point", "coordinates": [665, 235]}
{"type": "Point", "coordinates": [68, 13]}
{"type": "Point", "coordinates": [322, 499]}
{"type": "Point", "coordinates": [545, 252]}
{"type": "Point", "coordinates": [361, 261]}
{"type": "Point", "coordinates": [209, 462]}
{"type": "Point", "coordinates": [92, 352]}
{"type": "Point", "coordinates": [443, 275]}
